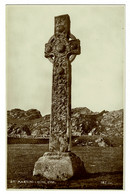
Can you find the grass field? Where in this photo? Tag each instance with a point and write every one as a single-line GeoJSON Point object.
{"type": "Point", "coordinates": [104, 168]}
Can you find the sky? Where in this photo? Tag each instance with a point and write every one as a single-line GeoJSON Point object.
{"type": "Point", "coordinates": [97, 73]}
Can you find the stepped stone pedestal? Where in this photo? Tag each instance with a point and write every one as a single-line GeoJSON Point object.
{"type": "Point", "coordinates": [59, 166]}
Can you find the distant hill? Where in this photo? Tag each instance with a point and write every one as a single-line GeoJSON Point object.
{"type": "Point", "coordinates": [30, 123]}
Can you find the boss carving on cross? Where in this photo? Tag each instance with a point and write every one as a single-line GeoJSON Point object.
{"type": "Point", "coordinates": [62, 43]}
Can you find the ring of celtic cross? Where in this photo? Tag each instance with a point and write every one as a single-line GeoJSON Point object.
{"type": "Point", "coordinates": [60, 47]}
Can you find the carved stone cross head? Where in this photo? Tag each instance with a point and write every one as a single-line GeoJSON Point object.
{"type": "Point", "coordinates": [62, 43]}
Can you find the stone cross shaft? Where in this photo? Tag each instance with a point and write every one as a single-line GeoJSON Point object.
{"type": "Point", "coordinates": [61, 50]}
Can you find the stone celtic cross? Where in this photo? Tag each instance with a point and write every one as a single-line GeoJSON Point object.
{"type": "Point", "coordinates": [61, 50]}
{"type": "Point", "coordinates": [60, 164]}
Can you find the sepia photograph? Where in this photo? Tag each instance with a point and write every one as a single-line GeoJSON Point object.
{"type": "Point", "coordinates": [65, 96]}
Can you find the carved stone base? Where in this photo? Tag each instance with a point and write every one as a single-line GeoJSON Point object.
{"type": "Point", "coordinates": [59, 166]}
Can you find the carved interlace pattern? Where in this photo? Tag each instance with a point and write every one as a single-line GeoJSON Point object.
{"type": "Point", "coordinates": [61, 49]}
{"type": "Point", "coordinates": [59, 105]}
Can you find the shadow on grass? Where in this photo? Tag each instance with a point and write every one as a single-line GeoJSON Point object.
{"type": "Point", "coordinates": [104, 180]}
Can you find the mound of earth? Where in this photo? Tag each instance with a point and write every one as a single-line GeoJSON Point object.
{"type": "Point", "coordinates": [84, 122]}
{"type": "Point", "coordinates": [19, 114]}
{"type": "Point", "coordinates": [112, 123]}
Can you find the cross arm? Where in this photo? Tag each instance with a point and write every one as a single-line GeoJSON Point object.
{"type": "Point", "coordinates": [48, 50]}
{"type": "Point", "coordinates": [74, 47]}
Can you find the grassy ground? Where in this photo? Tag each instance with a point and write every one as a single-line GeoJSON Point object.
{"type": "Point", "coordinates": [104, 167]}
{"type": "Point", "coordinates": [111, 141]}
